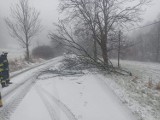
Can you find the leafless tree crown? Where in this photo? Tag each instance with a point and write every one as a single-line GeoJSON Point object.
{"type": "Point", "coordinates": [103, 18]}
{"type": "Point", "coordinates": [24, 23]}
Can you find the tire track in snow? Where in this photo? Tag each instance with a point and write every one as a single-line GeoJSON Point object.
{"type": "Point", "coordinates": [49, 107]}
{"type": "Point", "coordinates": [16, 86]}
{"type": "Point", "coordinates": [11, 105]}
{"type": "Point", "coordinates": [19, 91]}
{"type": "Point", "coordinates": [62, 106]}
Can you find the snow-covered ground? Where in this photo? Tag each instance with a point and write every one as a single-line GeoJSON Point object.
{"type": "Point", "coordinates": [71, 98]}
{"type": "Point", "coordinates": [22, 83]}
{"type": "Point", "coordinates": [50, 92]}
{"type": "Point", "coordinates": [52, 97]}
{"type": "Point", "coordinates": [139, 91]}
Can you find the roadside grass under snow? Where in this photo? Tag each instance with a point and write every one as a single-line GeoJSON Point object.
{"type": "Point", "coordinates": [139, 92]}
{"type": "Point", "coordinates": [19, 64]}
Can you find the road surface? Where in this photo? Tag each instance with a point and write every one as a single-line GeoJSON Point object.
{"type": "Point", "coordinates": [50, 97]}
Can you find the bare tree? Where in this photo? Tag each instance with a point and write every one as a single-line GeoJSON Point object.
{"type": "Point", "coordinates": [24, 25]}
{"type": "Point", "coordinates": [74, 40]}
{"type": "Point", "coordinates": [69, 37]}
{"type": "Point", "coordinates": [103, 17]}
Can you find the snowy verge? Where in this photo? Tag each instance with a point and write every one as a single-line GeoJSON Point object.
{"type": "Point", "coordinates": [136, 91]}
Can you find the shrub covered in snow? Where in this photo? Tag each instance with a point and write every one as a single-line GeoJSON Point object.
{"type": "Point", "coordinates": [139, 92]}
{"type": "Point", "coordinates": [77, 63]}
{"type": "Point", "coordinates": [20, 63]}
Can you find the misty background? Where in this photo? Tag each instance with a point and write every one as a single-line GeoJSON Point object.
{"type": "Point", "coordinates": [49, 14]}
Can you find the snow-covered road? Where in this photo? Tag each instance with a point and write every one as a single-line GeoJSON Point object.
{"type": "Point", "coordinates": [75, 97]}
{"type": "Point", "coordinates": [22, 83]}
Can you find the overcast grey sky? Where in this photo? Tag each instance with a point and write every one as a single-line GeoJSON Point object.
{"type": "Point", "coordinates": [49, 14]}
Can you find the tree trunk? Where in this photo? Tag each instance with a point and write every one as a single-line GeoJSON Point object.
{"type": "Point", "coordinates": [95, 50]}
{"type": "Point", "coordinates": [27, 49]}
{"type": "Point", "coordinates": [104, 52]}
{"type": "Point", "coordinates": [27, 53]}
{"type": "Point", "coordinates": [119, 48]}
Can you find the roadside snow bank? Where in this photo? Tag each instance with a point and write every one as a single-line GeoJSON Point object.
{"type": "Point", "coordinates": [135, 90]}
